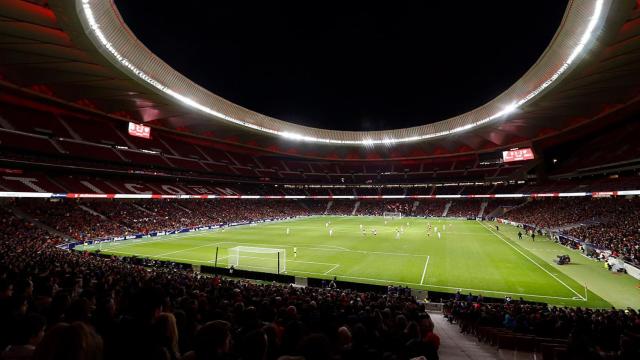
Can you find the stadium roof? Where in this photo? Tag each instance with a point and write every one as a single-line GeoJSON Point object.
{"type": "Point", "coordinates": [82, 52]}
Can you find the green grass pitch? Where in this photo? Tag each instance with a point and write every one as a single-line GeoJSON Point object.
{"type": "Point", "coordinates": [470, 255]}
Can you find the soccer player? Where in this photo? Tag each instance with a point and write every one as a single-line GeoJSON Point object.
{"type": "Point", "coordinates": [360, 226]}
{"type": "Point", "coordinates": [331, 232]}
{"type": "Point", "coordinates": [435, 229]}
{"type": "Point", "coordinates": [519, 234]}
{"type": "Point", "coordinates": [397, 233]}
{"type": "Point", "coordinates": [364, 232]}
{"type": "Point", "coordinates": [533, 236]}
{"type": "Point", "coordinates": [497, 228]}
{"type": "Point", "coordinates": [439, 236]}
{"type": "Point", "coordinates": [288, 230]}
{"type": "Point", "coordinates": [326, 225]}
{"type": "Point", "coordinates": [375, 232]}
{"type": "Point", "coordinates": [295, 252]}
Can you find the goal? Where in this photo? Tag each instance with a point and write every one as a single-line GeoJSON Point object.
{"type": "Point", "coordinates": [258, 258]}
{"type": "Point", "coordinates": [392, 215]}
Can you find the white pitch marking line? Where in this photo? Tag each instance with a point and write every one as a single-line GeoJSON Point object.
{"type": "Point", "coordinates": [219, 258]}
{"type": "Point", "coordinates": [525, 255]}
{"type": "Point", "coordinates": [330, 270]}
{"type": "Point", "coordinates": [424, 272]}
{"type": "Point", "coordinates": [371, 279]}
{"type": "Point", "coordinates": [177, 251]}
{"type": "Point", "coordinates": [322, 249]}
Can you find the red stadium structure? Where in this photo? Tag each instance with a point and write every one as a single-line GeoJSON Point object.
{"type": "Point", "coordinates": [89, 116]}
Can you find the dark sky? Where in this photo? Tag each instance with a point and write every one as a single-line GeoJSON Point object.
{"type": "Point", "coordinates": [349, 65]}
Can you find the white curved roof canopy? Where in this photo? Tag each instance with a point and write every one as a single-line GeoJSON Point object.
{"type": "Point", "coordinates": [106, 29]}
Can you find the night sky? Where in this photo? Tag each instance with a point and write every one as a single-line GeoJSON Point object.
{"type": "Point", "coordinates": [349, 65]}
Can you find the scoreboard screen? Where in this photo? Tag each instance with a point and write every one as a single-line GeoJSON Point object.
{"type": "Point", "coordinates": [139, 130]}
{"type": "Point", "coordinates": [517, 155]}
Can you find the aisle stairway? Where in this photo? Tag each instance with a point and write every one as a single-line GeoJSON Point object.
{"type": "Point", "coordinates": [457, 346]}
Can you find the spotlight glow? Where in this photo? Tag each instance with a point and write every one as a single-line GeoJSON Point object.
{"type": "Point", "coordinates": [108, 45]}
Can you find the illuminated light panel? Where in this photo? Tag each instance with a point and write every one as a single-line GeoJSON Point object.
{"type": "Point", "coordinates": [586, 36]}
{"type": "Point", "coordinates": [18, 194]}
{"type": "Point", "coordinates": [139, 130]}
{"type": "Point", "coordinates": [518, 155]}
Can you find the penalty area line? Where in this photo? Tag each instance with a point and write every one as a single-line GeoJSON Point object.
{"type": "Point", "coordinates": [358, 278]}
{"type": "Point", "coordinates": [424, 271]}
{"type": "Point", "coordinates": [330, 270]}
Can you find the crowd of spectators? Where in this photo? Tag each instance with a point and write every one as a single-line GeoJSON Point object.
{"type": "Point", "coordinates": [57, 304]}
{"type": "Point", "coordinates": [70, 219]}
{"type": "Point", "coordinates": [378, 208]}
{"type": "Point", "coordinates": [619, 233]}
{"type": "Point", "coordinates": [605, 223]}
{"type": "Point", "coordinates": [431, 207]}
{"type": "Point", "coordinates": [550, 213]}
{"type": "Point", "coordinates": [591, 333]}
{"type": "Point", "coordinates": [103, 218]}
{"type": "Point", "coordinates": [465, 209]}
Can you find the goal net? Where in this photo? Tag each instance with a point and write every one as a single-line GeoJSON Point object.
{"type": "Point", "coordinates": [392, 215]}
{"type": "Point", "coordinates": [258, 258]}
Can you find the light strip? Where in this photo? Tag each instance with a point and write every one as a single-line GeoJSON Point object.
{"type": "Point", "coordinates": [19, 194]}
{"type": "Point", "coordinates": [95, 27]}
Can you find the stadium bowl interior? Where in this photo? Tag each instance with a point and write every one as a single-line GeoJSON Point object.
{"type": "Point", "coordinates": [145, 216]}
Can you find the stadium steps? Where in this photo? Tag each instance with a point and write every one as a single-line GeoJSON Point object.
{"type": "Point", "coordinates": [57, 146]}
{"type": "Point", "coordinates": [329, 205]}
{"type": "Point", "coordinates": [130, 145]}
{"type": "Point", "coordinates": [22, 215]}
{"type": "Point", "coordinates": [206, 157]}
{"type": "Point", "coordinates": [56, 183]}
{"type": "Point", "coordinates": [458, 346]}
{"type": "Point", "coordinates": [142, 209]}
{"type": "Point", "coordinates": [173, 152]}
{"type": "Point", "coordinates": [482, 207]}
{"type": "Point", "coordinates": [446, 208]}
{"type": "Point", "coordinates": [71, 132]}
{"type": "Point", "coordinates": [506, 210]}
{"type": "Point", "coordinates": [499, 211]}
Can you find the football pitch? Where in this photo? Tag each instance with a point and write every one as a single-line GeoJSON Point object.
{"type": "Point", "coordinates": [470, 256]}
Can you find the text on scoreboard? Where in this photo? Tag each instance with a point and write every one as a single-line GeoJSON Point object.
{"type": "Point", "coordinates": [139, 130]}
{"type": "Point", "coordinates": [518, 155]}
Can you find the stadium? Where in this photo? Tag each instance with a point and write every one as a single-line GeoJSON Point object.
{"type": "Point", "coordinates": [149, 212]}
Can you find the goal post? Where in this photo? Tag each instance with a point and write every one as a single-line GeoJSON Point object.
{"type": "Point", "coordinates": [258, 258]}
{"type": "Point", "coordinates": [392, 215]}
